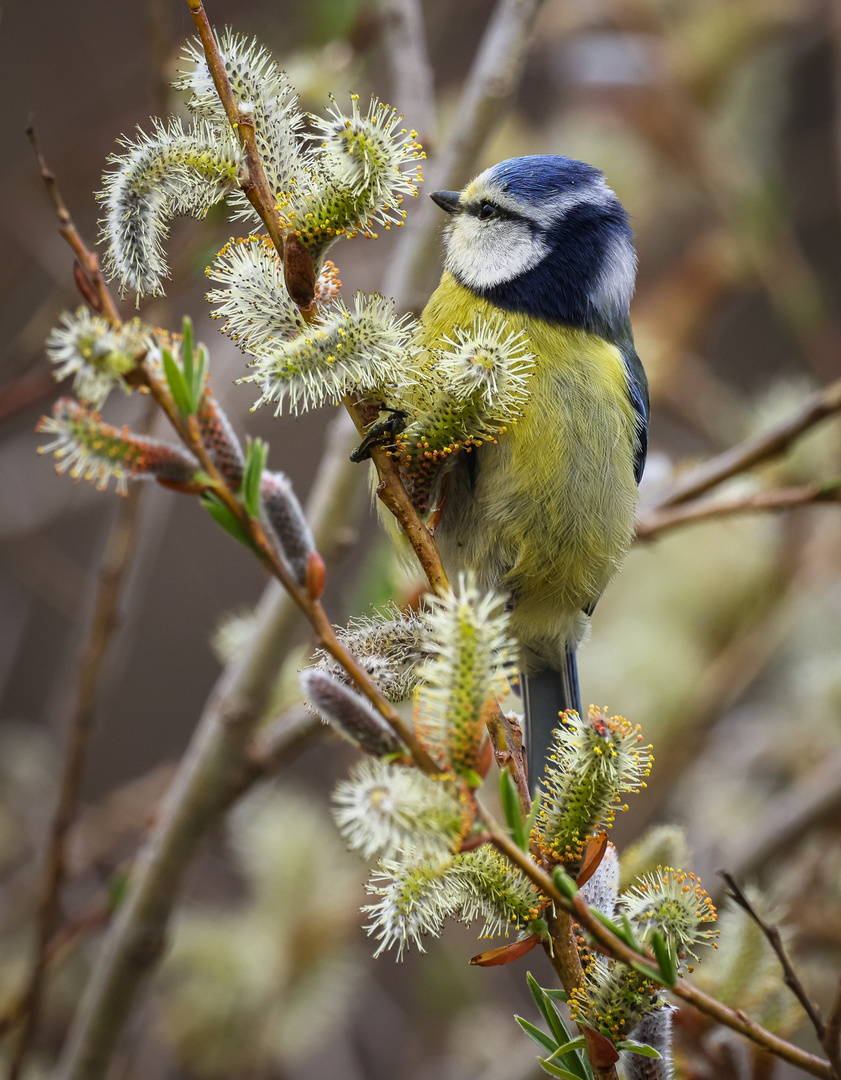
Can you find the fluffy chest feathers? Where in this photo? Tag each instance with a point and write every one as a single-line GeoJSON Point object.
{"type": "Point", "coordinates": [547, 513]}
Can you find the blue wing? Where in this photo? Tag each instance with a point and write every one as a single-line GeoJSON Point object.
{"type": "Point", "coordinates": [638, 393]}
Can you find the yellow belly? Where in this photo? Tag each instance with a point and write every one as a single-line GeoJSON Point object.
{"type": "Point", "coordinates": [551, 512]}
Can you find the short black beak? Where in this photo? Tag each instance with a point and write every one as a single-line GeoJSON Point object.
{"type": "Point", "coordinates": [447, 200]}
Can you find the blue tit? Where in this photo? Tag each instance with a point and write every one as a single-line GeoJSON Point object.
{"type": "Point", "coordinates": [546, 515]}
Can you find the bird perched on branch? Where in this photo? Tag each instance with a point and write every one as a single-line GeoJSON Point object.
{"type": "Point", "coordinates": [541, 244]}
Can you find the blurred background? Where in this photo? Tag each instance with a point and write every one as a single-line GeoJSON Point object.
{"type": "Point", "coordinates": [718, 123]}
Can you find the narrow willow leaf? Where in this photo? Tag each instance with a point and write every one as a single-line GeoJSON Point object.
{"type": "Point", "coordinates": [536, 1035]}
{"type": "Point", "coordinates": [223, 516]}
{"type": "Point", "coordinates": [510, 799]}
{"type": "Point", "coordinates": [548, 1011]}
{"type": "Point", "coordinates": [555, 1070]}
{"type": "Point", "coordinates": [665, 958]}
{"type": "Point", "coordinates": [256, 453]}
{"type": "Point", "coordinates": [631, 1046]}
{"type": "Point", "coordinates": [176, 382]}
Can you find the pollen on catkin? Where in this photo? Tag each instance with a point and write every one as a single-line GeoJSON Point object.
{"type": "Point", "coordinates": [87, 448]}
{"type": "Point", "coordinates": [592, 761]}
{"type": "Point", "coordinates": [469, 661]}
{"type": "Point", "coordinates": [364, 348]}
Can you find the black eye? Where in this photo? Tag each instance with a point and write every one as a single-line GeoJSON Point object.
{"type": "Point", "coordinates": [486, 210]}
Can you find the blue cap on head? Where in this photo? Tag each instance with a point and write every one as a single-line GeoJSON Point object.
{"type": "Point", "coordinates": [539, 176]}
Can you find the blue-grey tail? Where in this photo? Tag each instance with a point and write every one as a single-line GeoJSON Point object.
{"type": "Point", "coordinates": [547, 693]}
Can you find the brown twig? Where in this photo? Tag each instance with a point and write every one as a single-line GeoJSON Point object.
{"type": "Point", "coordinates": [115, 567]}
{"type": "Point", "coordinates": [87, 259]}
{"type": "Point", "coordinates": [654, 523]}
{"type": "Point", "coordinates": [772, 936]}
{"type": "Point", "coordinates": [390, 489]}
{"type": "Point", "coordinates": [832, 1036]}
{"type": "Point", "coordinates": [256, 186]}
{"type": "Point", "coordinates": [739, 459]}
{"type": "Point", "coordinates": [612, 946]}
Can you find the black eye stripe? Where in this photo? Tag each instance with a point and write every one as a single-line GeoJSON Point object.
{"type": "Point", "coordinates": [485, 210]}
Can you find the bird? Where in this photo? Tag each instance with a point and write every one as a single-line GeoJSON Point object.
{"type": "Point", "coordinates": [545, 515]}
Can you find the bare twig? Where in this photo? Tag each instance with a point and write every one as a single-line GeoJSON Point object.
{"type": "Point", "coordinates": [112, 576]}
{"type": "Point", "coordinates": [652, 524]}
{"type": "Point", "coordinates": [256, 186]}
{"type": "Point", "coordinates": [832, 1038]}
{"type": "Point", "coordinates": [116, 563]}
{"type": "Point", "coordinates": [772, 935]}
{"type": "Point", "coordinates": [410, 67]}
{"type": "Point", "coordinates": [219, 765]}
{"type": "Point", "coordinates": [492, 80]}
{"type": "Point", "coordinates": [610, 945]}
{"type": "Point", "coordinates": [739, 459]}
{"type": "Point", "coordinates": [88, 261]}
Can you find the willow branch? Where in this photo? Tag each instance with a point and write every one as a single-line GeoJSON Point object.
{"type": "Point", "coordinates": [739, 459]}
{"type": "Point", "coordinates": [116, 564]}
{"type": "Point", "coordinates": [772, 936]}
{"type": "Point", "coordinates": [832, 1038]}
{"type": "Point", "coordinates": [98, 295]}
{"type": "Point", "coordinates": [221, 762]}
{"type": "Point", "coordinates": [390, 489]}
{"type": "Point", "coordinates": [653, 523]}
{"type": "Point", "coordinates": [256, 186]}
{"type": "Point", "coordinates": [612, 946]}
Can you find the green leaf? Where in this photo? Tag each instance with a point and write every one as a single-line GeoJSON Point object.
{"type": "Point", "coordinates": [556, 1070]}
{"type": "Point", "coordinates": [564, 883]}
{"type": "Point", "coordinates": [223, 516]}
{"type": "Point", "coordinates": [579, 1043]}
{"type": "Point", "coordinates": [556, 995]}
{"type": "Point", "coordinates": [652, 974]}
{"type": "Point", "coordinates": [634, 1047]}
{"type": "Point", "coordinates": [536, 1035]}
{"type": "Point", "coordinates": [175, 381]}
{"type": "Point", "coordinates": [510, 799]}
{"type": "Point", "coordinates": [665, 958]}
{"type": "Point", "coordinates": [117, 888]}
{"type": "Point", "coordinates": [198, 380]}
{"type": "Point", "coordinates": [629, 937]}
{"type": "Point", "coordinates": [548, 1011]}
{"type": "Point", "coordinates": [187, 352]}
{"type": "Point", "coordinates": [256, 453]}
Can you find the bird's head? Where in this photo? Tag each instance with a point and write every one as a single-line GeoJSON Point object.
{"type": "Point", "coordinates": [543, 235]}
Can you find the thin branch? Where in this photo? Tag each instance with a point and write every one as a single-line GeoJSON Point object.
{"type": "Point", "coordinates": [739, 459]}
{"type": "Point", "coordinates": [654, 523]}
{"type": "Point", "coordinates": [217, 768]}
{"type": "Point", "coordinates": [832, 1038]}
{"type": "Point", "coordinates": [256, 187]}
{"type": "Point", "coordinates": [772, 936]}
{"type": "Point", "coordinates": [116, 563]}
{"type": "Point", "coordinates": [411, 70]}
{"type": "Point", "coordinates": [610, 945]}
{"type": "Point", "coordinates": [88, 261]}
{"type": "Point", "coordinates": [493, 78]}
{"type": "Point", "coordinates": [390, 489]}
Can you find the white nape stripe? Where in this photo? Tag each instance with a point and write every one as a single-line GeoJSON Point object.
{"type": "Point", "coordinates": [614, 287]}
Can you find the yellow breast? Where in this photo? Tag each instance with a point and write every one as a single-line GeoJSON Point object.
{"type": "Point", "coordinates": [547, 514]}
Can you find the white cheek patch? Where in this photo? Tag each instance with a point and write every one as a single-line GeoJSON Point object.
{"type": "Point", "coordinates": [481, 254]}
{"type": "Point", "coordinates": [614, 287]}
